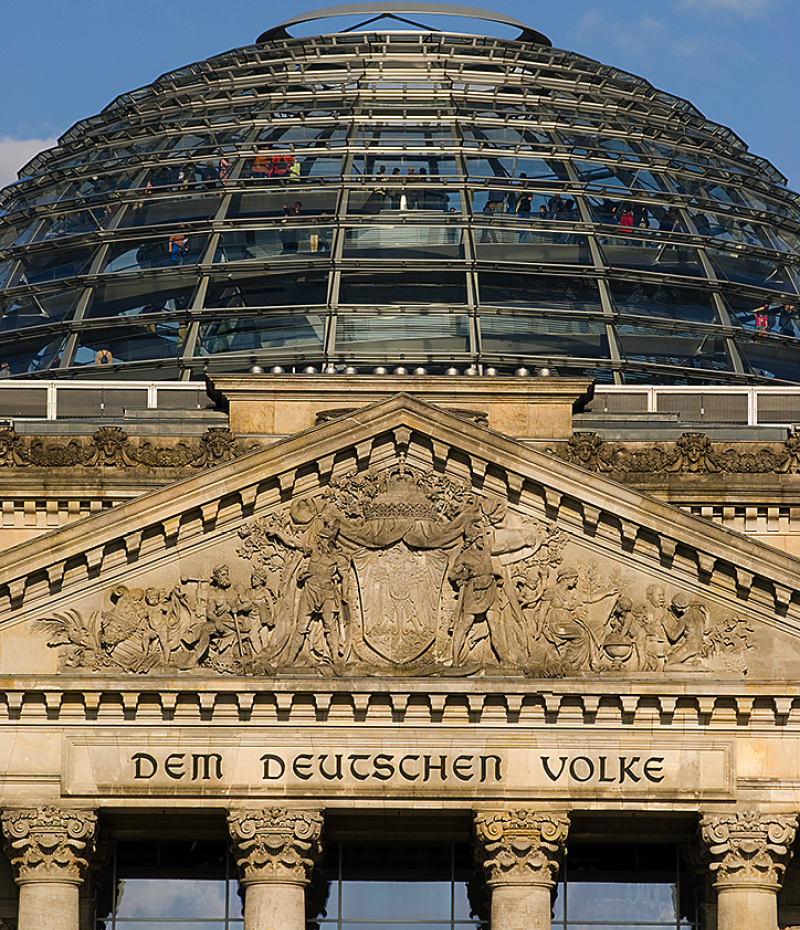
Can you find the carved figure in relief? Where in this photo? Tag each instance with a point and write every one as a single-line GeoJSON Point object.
{"type": "Point", "coordinates": [323, 581]}
{"type": "Point", "coordinates": [563, 620]}
{"type": "Point", "coordinates": [402, 572]}
{"type": "Point", "coordinates": [685, 626]}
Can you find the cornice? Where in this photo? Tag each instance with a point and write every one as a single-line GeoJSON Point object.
{"type": "Point", "coordinates": [713, 705]}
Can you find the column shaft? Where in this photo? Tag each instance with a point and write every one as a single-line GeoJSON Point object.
{"type": "Point", "coordinates": [521, 907]}
{"type": "Point", "coordinates": [275, 906]}
{"type": "Point", "coordinates": [743, 908]}
{"type": "Point", "coordinates": [49, 906]}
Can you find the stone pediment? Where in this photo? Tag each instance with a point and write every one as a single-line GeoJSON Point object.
{"type": "Point", "coordinates": [401, 540]}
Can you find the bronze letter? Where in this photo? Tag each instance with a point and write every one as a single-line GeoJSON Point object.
{"type": "Point", "coordinates": [305, 765]}
{"type": "Point", "coordinates": [144, 757]}
{"type": "Point", "coordinates": [572, 770]}
{"type": "Point", "coordinates": [462, 767]}
{"type": "Point", "coordinates": [603, 770]}
{"type": "Point", "coordinates": [337, 773]}
{"type": "Point", "coordinates": [268, 760]}
{"type": "Point", "coordinates": [546, 766]}
{"type": "Point", "coordinates": [174, 763]}
{"type": "Point", "coordinates": [198, 757]}
{"type": "Point", "coordinates": [381, 766]}
{"type": "Point", "coordinates": [440, 768]}
{"type": "Point", "coordinates": [484, 761]}
{"type": "Point", "coordinates": [353, 759]}
{"type": "Point", "coordinates": [654, 763]}
{"type": "Point", "coordinates": [626, 769]}
{"type": "Point", "coordinates": [403, 772]}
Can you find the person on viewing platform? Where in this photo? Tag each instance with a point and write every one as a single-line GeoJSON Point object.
{"type": "Point", "coordinates": [543, 214]}
{"type": "Point", "coordinates": [762, 317]}
{"type": "Point", "coordinates": [626, 219]}
{"type": "Point", "coordinates": [178, 247]}
{"type": "Point", "coordinates": [787, 321]}
{"type": "Point", "coordinates": [261, 167]}
{"type": "Point", "coordinates": [224, 170]}
{"type": "Point", "coordinates": [394, 199]}
{"type": "Point", "coordinates": [670, 222]}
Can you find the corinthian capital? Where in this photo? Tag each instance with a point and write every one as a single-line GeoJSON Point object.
{"type": "Point", "coordinates": [748, 847]}
{"type": "Point", "coordinates": [49, 844]}
{"type": "Point", "coordinates": [276, 845]}
{"type": "Point", "coordinates": [520, 846]}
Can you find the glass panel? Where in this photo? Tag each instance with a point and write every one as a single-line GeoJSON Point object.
{"type": "Point", "coordinates": [73, 224]}
{"type": "Point", "coordinates": [771, 358]}
{"type": "Point", "coordinates": [262, 204]}
{"type": "Point", "coordinates": [29, 354]}
{"type": "Point", "coordinates": [170, 898]}
{"type": "Point", "coordinates": [392, 133]}
{"type": "Point", "coordinates": [172, 925]}
{"type": "Point", "coordinates": [237, 334]}
{"type": "Point", "coordinates": [19, 234]}
{"type": "Point", "coordinates": [501, 244]}
{"type": "Point", "coordinates": [372, 165]}
{"type": "Point", "coordinates": [160, 339]}
{"type": "Point", "coordinates": [632, 215]}
{"type": "Point", "coordinates": [625, 177]}
{"type": "Point", "coordinates": [765, 316]}
{"type": "Point", "coordinates": [131, 298]}
{"type": "Point", "coordinates": [734, 229]}
{"type": "Point", "coordinates": [419, 900]}
{"type": "Point", "coordinates": [412, 333]}
{"type": "Point", "coordinates": [394, 193]}
{"type": "Point", "coordinates": [502, 289]}
{"type": "Point", "coordinates": [259, 244]}
{"type": "Point", "coordinates": [179, 248]}
{"type": "Point", "coordinates": [376, 289]}
{"type": "Point", "coordinates": [662, 347]}
{"type": "Point", "coordinates": [530, 204]}
{"type": "Point", "coordinates": [746, 268]}
{"type": "Point", "coordinates": [522, 335]}
{"type": "Point", "coordinates": [51, 266]}
{"type": "Point", "coordinates": [276, 167]}
{"type": "Point", "coordinates": [404, 241]}
{"type": "Point", "coordinates": [663, 300]}
{"type": "Point", "coordinates": [619, 901]}
{"type": "Point", "coordinates": [534, 169]}
{"type": "Point", "coordinates": [645, 254]}
{"type": "Point", "coordinates": [36, 309]}
{"type": "Point", "coordinates": [263, 290]}
{"type": "Point", "coordinates": [155, 211]}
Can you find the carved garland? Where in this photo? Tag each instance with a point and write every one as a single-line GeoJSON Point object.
{"type": "Point", "coordinates": [693, 453]}
{"type": "Point", "coordinates": [111, 447]}
{"type": "Point", "coordinates": [520, 846]}
{"type": "Point", "coordinates": [49, 844]}
{"type": "Point", "coordinates": [276, 845]}
{"type": "Point", "coordinates": [748, 847]}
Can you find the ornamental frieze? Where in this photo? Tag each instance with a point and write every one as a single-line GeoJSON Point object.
{"type": "Point", "coordinates": [398, 572]}
{"type": "Point", "coordinates": [111, 447]}
{"type": "Point", "coordinates": [693, 453]}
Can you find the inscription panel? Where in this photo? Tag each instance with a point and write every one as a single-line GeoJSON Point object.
{"type": "Point", "coordinates": [364, 767]}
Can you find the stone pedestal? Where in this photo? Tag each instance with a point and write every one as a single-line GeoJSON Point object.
{"type": "Point", "coordinates": [275, 850]}
{"type": "Point", "coordinates": [49, 849]}
{"type": "Point", "coordinates": [520, 851]}
{"type": "Point", "coordinates": [747, 853]}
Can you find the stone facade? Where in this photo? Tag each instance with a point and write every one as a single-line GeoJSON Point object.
{"type": "Point", "coordinates": [401, 611]}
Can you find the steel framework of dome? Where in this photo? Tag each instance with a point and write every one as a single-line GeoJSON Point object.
{"type": "Point", "coordinates": [410, 198]}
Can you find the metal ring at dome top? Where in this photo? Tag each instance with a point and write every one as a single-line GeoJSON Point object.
{"type": "Point", "coordinates": [396, 11]}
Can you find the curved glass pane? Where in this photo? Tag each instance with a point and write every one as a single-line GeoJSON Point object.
{"type": "Point", "coordinates": [31, 309]}
{"type": "Point", "coordinates": [663, 300]}
{"type": "Point", "coordinates": [410, 334]}
{"type": "Point", "coordinates": [287, 240]}
{"type": "Point", "coordinates": [517, 335]}
{"type": "Point", "coordinates": [267, 333]}
{"type": "Point", "coordinates": [529, 243]}
{"type": "Point", "coordinates": [404, 241]}
{"type": "Point", "coordinates": [543, 292]}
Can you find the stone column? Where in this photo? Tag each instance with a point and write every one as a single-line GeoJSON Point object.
{"type": "Point", "coordinates": [747, 853]}
{"type": "Point", "coordinates": [49, 849]}
{"type": "Point", "coordinates": [520, 851]}
{"type": "Point", "coordinates": [276, 850]}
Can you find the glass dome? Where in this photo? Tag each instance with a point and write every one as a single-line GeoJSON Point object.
{"type": "Point", "coordinates": [401, 198]}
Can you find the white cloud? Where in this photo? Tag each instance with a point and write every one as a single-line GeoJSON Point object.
{"type": "Point", "coordinates": [14, 153]}
{"type": "Point", "coordinates": [746, 8]}
{"type": "Point", "coordinates": [637, 36]}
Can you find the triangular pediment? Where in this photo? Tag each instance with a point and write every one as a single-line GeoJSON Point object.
{"type": "Point", "coordinates": [399, 540]}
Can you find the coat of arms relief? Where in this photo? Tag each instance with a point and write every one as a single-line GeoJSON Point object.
{"type": "Point", "coordinates": [401, 572]}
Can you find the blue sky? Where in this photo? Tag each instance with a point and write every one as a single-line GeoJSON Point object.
{"type": "Point", "coordinates": [736, 60]}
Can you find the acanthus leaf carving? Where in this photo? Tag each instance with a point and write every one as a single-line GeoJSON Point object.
{"type": "Point", "coordinates": [520, 846]}
{"type": "Point", "coordinates": [276, 844]}
{"type": "Point", "coordinates": [49, 843]}
{"type": "Point", "coordinates": [399, 571]}
{"type": "Point", "coordinates": [747, 847]}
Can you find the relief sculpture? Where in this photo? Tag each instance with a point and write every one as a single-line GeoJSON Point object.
{"type": "Point", "coordinates": [401, 572]}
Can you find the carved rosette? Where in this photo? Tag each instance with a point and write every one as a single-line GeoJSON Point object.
{"type": "Point", "coordinates": [520, 846]}
{"type": "Point", "coordinates": [276, 845]}
{"type": "Point", "coordinates": [49, 844]}
{"type": "Point", "coordinates": [748, 848]}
